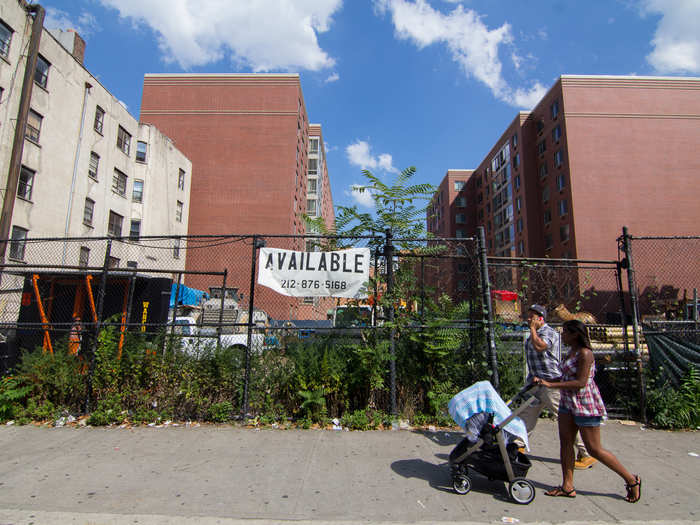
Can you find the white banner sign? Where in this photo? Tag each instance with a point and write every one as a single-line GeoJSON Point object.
{"type": "Point", "coordinates": [315, 274]}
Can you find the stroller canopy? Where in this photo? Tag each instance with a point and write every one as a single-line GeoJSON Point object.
{"type": "Point", "coordinates": [482, 397]}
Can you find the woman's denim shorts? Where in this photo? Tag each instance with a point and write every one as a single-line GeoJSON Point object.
{"type": "Point", "coordinates": [583, 421]}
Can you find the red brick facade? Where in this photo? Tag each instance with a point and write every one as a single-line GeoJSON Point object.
{"type": "Point", "coordinates": [247, 136]}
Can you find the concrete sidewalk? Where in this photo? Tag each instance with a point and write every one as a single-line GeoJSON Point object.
{"type": "Point", "coordinates": [227, 475]}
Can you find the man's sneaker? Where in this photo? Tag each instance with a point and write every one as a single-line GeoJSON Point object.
{"type": "Point", "coordinates": [585, 462]}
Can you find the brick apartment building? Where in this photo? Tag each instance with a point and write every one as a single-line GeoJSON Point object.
{"type": "Point", "coordinates": [257, 167]}
{"type": "Point", "coordinates": [597, 153]}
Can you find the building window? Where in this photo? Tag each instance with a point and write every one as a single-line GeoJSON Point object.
{"type": "Point", "coordinates": [547, 216]}
{"type": "Point", "coordinates": [563, 207]}
{"type": "Point", "coordinates": [141, 148]}
{"type": "Point", "coordinates": [5, 39]}
{"type": "Point", "coordinates": [123, 140]}
{"type": "Point", "coordinates": [554, 108]}
{"type": "Point", "coordinates": [113, 262]}
{"type": "Point", "coordinates": [313, 146]}
{"type": "Point", "coordinates": [135, 229]}
{"type": "Point", "coordinates": [543, 170]}
{"type": "Point", "coordinates": [311, 207]}
{"type": "Point", "coordinates": [137, 193]}
{"type": "Point", "coordinates": [313, 167]}
{"type": "Point", "coordinates": [561, 181]}
{"type": "Point", "coordinates": [311, 185]}
{"type": "Point", "coordinates": [516, 182]}
{"type": "Point", "coordinates": [114, 227]}
{"type": "Point", "coordinates": [94, 165]}
{"type": "Point", "coordinates": [558, 158]}
{"type": "Point", "coordinates": [540, 126]}
{"type": "Point", "coordinates": [514, 140]}
{"type": "Point", "coordinates": [516, 161]}
{"type": "Point", "coordinates": [548, 241]}
{"type": "Point", "coordinates": [119, 182]}
{"type": "Point", "coordinates": [460, 218]}
{"type": "Point", "coordinates": [18, 243]}
{"type": "Point", "coordinates": [545, 194]}
{"type": "Point", "coordinates": [461, 202]}
{"type": "Point", "coordinates": [176, 248]}
{"type": "Point", "coordinates": [556, 133]}
{"type": "Point", "coordinates": [33, 126]}
{"type": "Point", "coordinates": [518, 204]}
{"type": "Point", "coordinates": [25, 183]}
{"type": "Point", "coordinates": [88, 211]}
{"type": "Point", "coordinates": [41, 73]}
{"type": "Point", "coordinates": [84, 257]}
{"type": "Point", "coordinates": [99, 119]}
{"type": "Point", "coordinates": [459, 185]}
{"type": "Point", "coordinates": [178, 211]}
{"type": "Point", "coordinates": [460, 234]}
{"type": "Point", "coordinates": [542, 146]}
{"type": "Point", "coordinates": [564, 232]}
{"type": "Point", "coordinates": [521, 248]}
{"type": "Point", "coordinates": [520, 225]}
{"type": "Point", "coordinates": [132, 264]}
{"type": "Point", "coordinates": [181, 179]}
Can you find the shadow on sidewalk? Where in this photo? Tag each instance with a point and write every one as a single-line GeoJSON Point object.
{"type": "Point", "coordinates": [438, 477]}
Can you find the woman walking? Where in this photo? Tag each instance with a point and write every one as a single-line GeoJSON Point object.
{"type": "Point", "coordinates": [581, 409]}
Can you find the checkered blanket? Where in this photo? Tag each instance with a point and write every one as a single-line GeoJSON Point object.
{"type": "Point", "coordinates": [482, 397]}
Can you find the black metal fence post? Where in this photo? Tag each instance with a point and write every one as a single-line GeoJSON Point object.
{"type": "Point", "coordinates": [389, 258]}
{"type": "Point", "coordinates": [257, 243]}
{"type": "Point", "coordinates": [634, 302]}
{"type": "Point", "coordinates": [98, 323]}
{"type": "Point", "coordinates": [488, 310]}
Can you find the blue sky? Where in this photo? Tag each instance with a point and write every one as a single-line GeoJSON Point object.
{"type": "Point", "coordinates": [394, 83]}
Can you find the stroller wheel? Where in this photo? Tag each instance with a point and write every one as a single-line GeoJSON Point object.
{"type": "Point", "coordinates": [521, 490]}
{"type": "Point", "coordinates": [462, 484]}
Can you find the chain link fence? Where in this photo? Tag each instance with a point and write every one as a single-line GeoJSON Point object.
{"type": "Point", "coordinates": [666, 277]}
{"type": "Point", "coordinates": [438, 313]}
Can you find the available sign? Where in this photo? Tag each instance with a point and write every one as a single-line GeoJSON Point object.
{"type": "Point", "coordinates": [342, 273]}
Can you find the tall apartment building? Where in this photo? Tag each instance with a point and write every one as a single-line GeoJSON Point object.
{"type": "Point", "coordinates": [597, 153]}
{"type": "Point", "coordinates": [255, 159]}
{"type": "Point", "coordinates": [86, 167]}
{"type": "Point", "coordinates": [449, 217]}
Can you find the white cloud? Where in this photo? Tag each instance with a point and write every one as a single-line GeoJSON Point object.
{"type": "Point", "coordinates": [359, 154]}
{"type": "Point", "coordinates": [676, 41]}
{"type": "Point", "coordinates": [361, 198]}
{"type": "Point", "coordinates": [264, 35]}
{"type": "Point", "coordinates": [333, 77]}
{"type": "Point", "coordinates": [473, 45]}
{"type": "Point", "coordinates": [86, 24]}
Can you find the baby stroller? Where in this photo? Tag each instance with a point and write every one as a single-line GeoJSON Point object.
{"type": "Point", "coordinates": [490, 427]}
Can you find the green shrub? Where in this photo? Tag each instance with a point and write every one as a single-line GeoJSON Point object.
{"type": "Point", "coordinates": [220, 412]}
{"type": "Point", "coordinates": [108, 411]}
{"type": "Point", "coordinates": [672, 407]}
{"type": "Point", "coordinates": [12, 394]}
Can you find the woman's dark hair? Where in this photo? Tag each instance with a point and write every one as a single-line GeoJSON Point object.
{"type": "Point", "coordinates": [576, 327]}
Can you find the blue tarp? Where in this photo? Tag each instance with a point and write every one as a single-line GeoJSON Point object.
{"type": "Point", "coordinates": [187, 296]}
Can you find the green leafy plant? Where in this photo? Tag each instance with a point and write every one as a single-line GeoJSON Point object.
{"type": "Point", "coordinates": [12, 394]}
{"type": "Point", "coordinates": [313, 404]}
{"type": "Point", "coordinates": [675, 408]}
{"type": "Point", "coordinates": [220, 412]}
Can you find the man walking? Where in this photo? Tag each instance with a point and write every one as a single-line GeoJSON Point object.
{"type": "Point", "coordinates": [543, 355]}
